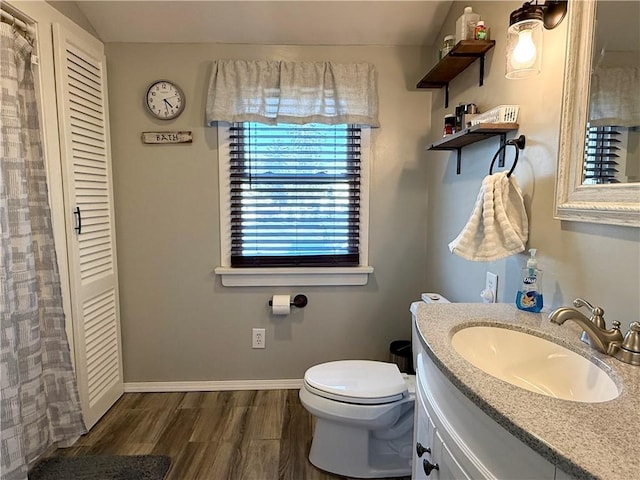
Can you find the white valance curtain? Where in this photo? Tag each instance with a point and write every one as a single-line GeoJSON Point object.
{"type": "Point", "coordinates": [273, 92]}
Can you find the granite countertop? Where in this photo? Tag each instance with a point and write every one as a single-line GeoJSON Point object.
{"type": "Point", "coordinates": [585, 440]}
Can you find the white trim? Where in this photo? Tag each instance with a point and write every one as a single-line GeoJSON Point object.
{"type": "Point", "coordinates": [213, 386]}
{"type": "Point", "coordinates": [284, 277]}
{"type": "Point", "coordinates": [365, 187]}
{"type": "Point", "coordinates": [223, 188]}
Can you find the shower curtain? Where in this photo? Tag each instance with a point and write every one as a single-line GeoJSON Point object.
{"type": "Point", "coordinates": [39, 401]}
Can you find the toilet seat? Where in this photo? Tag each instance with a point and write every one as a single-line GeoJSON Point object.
{"type": "Point", "coordinates": [362, 382]}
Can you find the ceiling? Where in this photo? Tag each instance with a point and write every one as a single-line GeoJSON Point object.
{"type": "Point", "coordinates": [288, 22]}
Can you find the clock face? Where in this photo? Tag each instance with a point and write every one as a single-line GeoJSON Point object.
{"type": "Point", "coordinates": [165, 100]}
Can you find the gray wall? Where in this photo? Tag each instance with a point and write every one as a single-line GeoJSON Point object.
{"type": "Point", "coordinates": [70, 10]}
{"type": "Point", "coordinates": [599, 263]}
{"type": "Point", "coordinates": [178, 322]}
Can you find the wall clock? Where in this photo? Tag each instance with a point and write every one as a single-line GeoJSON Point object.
{"type": "Point", "coordinates": [164, 99]}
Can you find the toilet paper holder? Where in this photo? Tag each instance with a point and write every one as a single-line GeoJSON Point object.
{"type": "Point", "coordinates": [299, 301]}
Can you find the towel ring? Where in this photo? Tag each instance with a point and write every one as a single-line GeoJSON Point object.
{"type": "Point", "coordinates": [518, 143]}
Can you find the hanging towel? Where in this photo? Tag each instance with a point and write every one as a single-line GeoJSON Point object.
{"type": "Point", "coordinates": [498, 226]}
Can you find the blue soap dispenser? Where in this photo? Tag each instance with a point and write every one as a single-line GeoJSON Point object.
{"type": "Point", "coordinates": [529, 297]}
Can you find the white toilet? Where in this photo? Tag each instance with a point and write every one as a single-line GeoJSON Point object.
{"type": "Point", "coordinates": [364, 416]}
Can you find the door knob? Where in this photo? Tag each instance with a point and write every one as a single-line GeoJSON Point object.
{"type": "Point", "coordinates": [429, 467]}
{"type": "Point", "coordinates": [420, 450]}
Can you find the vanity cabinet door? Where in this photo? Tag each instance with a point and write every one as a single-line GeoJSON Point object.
{"type": "Point", "coordinates": [424, 430]}
{"type": "Point", "coordinates": [433, 460]}
{"type": "Point", "coordinates": [419, 455]}
{"type": "Point", "coordinates": [449, 467]}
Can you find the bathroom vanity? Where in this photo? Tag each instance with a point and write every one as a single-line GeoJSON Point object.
{"type": "Point", "coordinates": [470, 424]}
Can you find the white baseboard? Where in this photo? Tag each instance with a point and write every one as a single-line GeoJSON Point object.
{"type": "Point", "coordinates": [212, 386]}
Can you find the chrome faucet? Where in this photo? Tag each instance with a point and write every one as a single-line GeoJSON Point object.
{"type": "Point", "coordinates": [609, 341]}
{"type": "Point", "coordinates": [601, 338]}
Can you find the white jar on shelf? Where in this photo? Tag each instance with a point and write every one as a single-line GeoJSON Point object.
{"type": "Point", "coordinates": [448, 43]}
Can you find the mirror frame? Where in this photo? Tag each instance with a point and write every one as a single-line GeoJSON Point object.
{"type": "Point", "coordinates": [617, 204]}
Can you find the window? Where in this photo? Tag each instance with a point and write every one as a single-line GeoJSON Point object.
{"type": "Point", "coordinates": [293, 194]}
{"type": "Point", "coordinates": [294, 197]}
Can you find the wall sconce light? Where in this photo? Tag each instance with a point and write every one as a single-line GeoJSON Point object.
{"type": "Point", "coordinates": [524, 36]}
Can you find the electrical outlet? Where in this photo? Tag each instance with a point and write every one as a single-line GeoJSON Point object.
{"type": "Point", "coordinates": [491, 284]}
{"type": "Point", "coordinates": [257, 338]}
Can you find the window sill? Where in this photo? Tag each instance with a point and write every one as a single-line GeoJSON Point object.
{"type": "Point", "coordinates": [285, 277]}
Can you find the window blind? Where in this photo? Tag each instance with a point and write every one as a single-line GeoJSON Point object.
{"type": "Point", "coordinates": [602, 154]}
{"type": "Point", "coordinates": [295, 195]}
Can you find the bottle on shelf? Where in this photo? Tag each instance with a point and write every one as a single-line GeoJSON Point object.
{"type": "Point", "coordinates": [466, 24]}
{"type": "Point", "coordinates": [480, 32]}
{"type": "Point", "coordinates": [449, 125]}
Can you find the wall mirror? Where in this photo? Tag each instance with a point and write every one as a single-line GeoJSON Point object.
{"type": "Point", "coordinates": [599, 163]}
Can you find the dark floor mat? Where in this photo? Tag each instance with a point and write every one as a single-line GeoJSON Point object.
{"type": "Point", "coordinates": [102, 467]}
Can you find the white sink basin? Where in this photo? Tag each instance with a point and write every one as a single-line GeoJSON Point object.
{"type": "Point", "coordinates": [534, 364]}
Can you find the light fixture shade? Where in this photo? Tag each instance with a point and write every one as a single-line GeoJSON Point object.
{"type": "Point", "coordinates": [524, 49]}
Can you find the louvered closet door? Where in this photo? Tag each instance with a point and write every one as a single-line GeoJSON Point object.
{"type": "Point", "coordinates": [86, 159]}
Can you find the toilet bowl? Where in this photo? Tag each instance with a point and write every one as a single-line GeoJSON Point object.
{"type": "Point", "coordinates": [364, 415]}
{"type": "Point", "coordinates": [364, 418]}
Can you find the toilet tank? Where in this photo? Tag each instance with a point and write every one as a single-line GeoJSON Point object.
{"type": "Point", "coordinates": [416, 346]}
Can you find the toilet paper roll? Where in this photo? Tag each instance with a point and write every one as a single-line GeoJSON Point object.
{"type": "Point", "coordinates": [281, 304]}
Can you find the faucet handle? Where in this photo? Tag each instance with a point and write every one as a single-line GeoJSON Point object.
{"type": "Point", "coordinates": [631, 340]}
{"type": "Point", "coordinates": [629, 351]}
{"type": "Point", "coordinates": [580, 302]}
{"type": "Point", "coordinates": [597, 313]}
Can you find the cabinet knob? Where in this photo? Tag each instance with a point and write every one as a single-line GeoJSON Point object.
{"type": "Point", "coordinates": [428, 466]}
{"type": "Point", "coordinates": [420, 450]}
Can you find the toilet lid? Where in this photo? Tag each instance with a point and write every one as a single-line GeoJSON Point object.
{"type": "Point", "coordinates": [357, 381]}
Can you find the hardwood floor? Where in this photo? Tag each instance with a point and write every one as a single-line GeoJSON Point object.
{"type": "Point", "coordinates": [243, 435]}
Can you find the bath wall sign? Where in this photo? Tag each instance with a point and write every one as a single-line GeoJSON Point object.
{"type": "Point", "coordinates": [162, 138]}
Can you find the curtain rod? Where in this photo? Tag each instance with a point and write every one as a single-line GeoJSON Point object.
{"type": "Point", "coordinates": [10, 18]}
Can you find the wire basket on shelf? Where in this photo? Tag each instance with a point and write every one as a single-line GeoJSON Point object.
{"type": "Point", "coordinates": [499, 114]}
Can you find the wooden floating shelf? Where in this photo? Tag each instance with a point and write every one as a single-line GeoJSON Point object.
{"type": "Point", "coordinates": [458, 59]}
{"type": "Point", "coordinates": [473, 134]}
